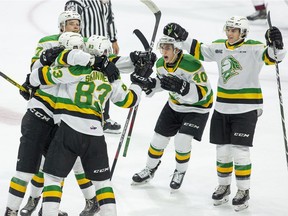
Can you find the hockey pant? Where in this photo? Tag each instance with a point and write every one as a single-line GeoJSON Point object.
{"type": "Point", "coordinates": [52, 194]}
{"type": "Point", "coordinates": [85, 185]}
{"type": "Point", "coordinates": [240, 155]}
{"type": "Point", "coordinates": [182, 143]}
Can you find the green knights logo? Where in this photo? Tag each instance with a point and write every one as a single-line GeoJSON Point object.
{"type": "Point", "coordinates": [229, 67]}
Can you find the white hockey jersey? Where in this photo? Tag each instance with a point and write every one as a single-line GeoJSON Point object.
{"type": "Point", "coordinates": [239, 66]}
{"type": "Point", "coordinates": [200, 96]}
{"type": "Point", "coordinates": [82, 95]}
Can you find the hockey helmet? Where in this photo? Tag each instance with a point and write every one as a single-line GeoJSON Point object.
{"type": "Point", "coordinates": [169, 40]}
{"type": "Point", "coordinates": [68, 15]}
{"type": "Point", "coordinates": [71, 40]}
{"type": "Point", "coordinates": [238, 22]}
{"type": "Point", "coordinates": [98, 45]}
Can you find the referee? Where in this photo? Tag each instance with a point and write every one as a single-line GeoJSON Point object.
{"type": "Point", "coordinates": [98, 19]}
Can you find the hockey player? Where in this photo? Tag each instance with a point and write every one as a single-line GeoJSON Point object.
{"type": "Point", "coordinates": [185, 114]}
{"type": "Point", "coordinates": [78, 110]}
{"type": "Point", "coordinates": [239, 100]}
{"type": "Point", "coordinates": [98, 19]}
{"type": "Point", "coordinates": [260, 13]}
{"type": "Point", "coordinates": [38, 129]}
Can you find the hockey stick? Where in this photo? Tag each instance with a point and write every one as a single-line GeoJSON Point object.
{"type": "Point", "coordinates": [279, 91]}
{"type": "Point", "coordinates": [13, 82]}
{"type": "Point", "coordinates": [146, 46]}
{"type": "Point", "coordinates": [130, 131]}
{"type": "Point", "coordinates": [142, 38]}
{"type": "Point", "coordinates": [157, 13]}
{"type": "Point", "coordinates": [120, 142]}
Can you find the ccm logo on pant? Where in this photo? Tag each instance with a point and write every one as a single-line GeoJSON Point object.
{"type": "Point", "coordinates": [40, 115]}
{"type": "Point", "coordinates": [241, 135]}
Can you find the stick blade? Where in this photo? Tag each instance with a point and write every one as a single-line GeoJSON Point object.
{"type": "Point", "coordinates": [142, 38]}
{"type": "Point", "coordinates": [151, 5]}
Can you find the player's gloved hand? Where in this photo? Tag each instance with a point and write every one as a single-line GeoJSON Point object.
{"type": "Point", "coordinates": [103, 64]}
{"type": "Point", "coordinates": [97, 62]}
{"type": "Point", "coordinates": [274, 35]}
{"type": "Point", "coordinates": [111, 71]}
{"type": "Point", "coordinates": [146, 83]}
{"type": "Point", "coordinates": [175, 84]}
{"type": "Point", "coordinates": [48, 56]}
{"type": "Point", "coordinates": [175, 31]}
{"type": "Point", "coordinates": [30, 90]}
{"type": "Point", "coordinates": [143, 62]}
{"type": "Point", "coordinates": [141, 57]}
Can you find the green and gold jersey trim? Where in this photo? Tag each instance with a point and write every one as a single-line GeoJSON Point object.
{"type": "Point", "coordinates": [129, 101]}
{"type": "Point", "coordinates": [67, 106]}
{"type": "Point", "coordinates": [47, 99]}
{"type": "Point", "coordinates": [205, 102]}
{"type": "Point", "coordinates": [241, 96]}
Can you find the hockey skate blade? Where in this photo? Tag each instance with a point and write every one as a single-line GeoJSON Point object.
{"type": "Point", "coordinates": [112, 131]}
{"type": "Point", "coordinates": [238, 208]}
{"type": "Point", "coordinates": [133, 183]}
{"type": "Point", "coordinates": [222, 201]}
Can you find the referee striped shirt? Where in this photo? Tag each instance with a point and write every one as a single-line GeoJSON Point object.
{"type": "Point", "coordinates": [97, 17]}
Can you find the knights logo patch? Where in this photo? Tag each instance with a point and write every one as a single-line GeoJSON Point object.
{"type": "Point", "coordinates": [229, 67]}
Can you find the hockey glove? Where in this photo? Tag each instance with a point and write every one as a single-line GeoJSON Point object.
{"type": "Point", "coordinates": [175, 84]}
{"type": "Point", "coordinates": [97, 62]}
{"type": "Point", "coordinates": [103, 64]}
{"type": "Point", "coordinates": [111, 71]}
{"type": "Point", "coordinates": [175, 31]}
{"type": "Point", "coordinates": [48, 56]}
{"type": "Point", "coordinates": [143, 62]}
{"type": "Point", "coordinates": [139, 57]}
{"type": "Point", "coordinates": [30, 90]}
{"type": "Point", "coordinates": [146, 83]}
{"type": "Point", "coordinates": [274, 35]}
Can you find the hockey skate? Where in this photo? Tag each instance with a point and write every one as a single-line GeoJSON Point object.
{"type": "Point", "coordinates": [221, 195]}
{"type": "Point", "coordinates": [30, 207]}
{"type": "Point", "coordinates": [60, 213]}
{"type": "Point", "coordinates": [144, 176]}
{"type": "Point", "coordinates": [91, 208]}
{"type": "Point", "coordinates": [240, 201]}
{"type": "Point", "coordinates": [176, 180]}
{"type": "Point", "coordinates": [260, 14]}
{"type": "Point", "coordinates": [10, 212]}
{"type": "Point", "coordinates": [111, 127]}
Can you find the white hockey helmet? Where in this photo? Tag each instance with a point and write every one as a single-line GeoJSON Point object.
{"type": "Point", "coordinates": [71, 40]}
{"type": "Point", "coordinates": [68, 15]}
{"type": "Point", "coordinates": [98, 45]}
{"type": "Point", "coordinates": [238, 22]}
{"type": "Point", "coordinates": [169, 40]}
